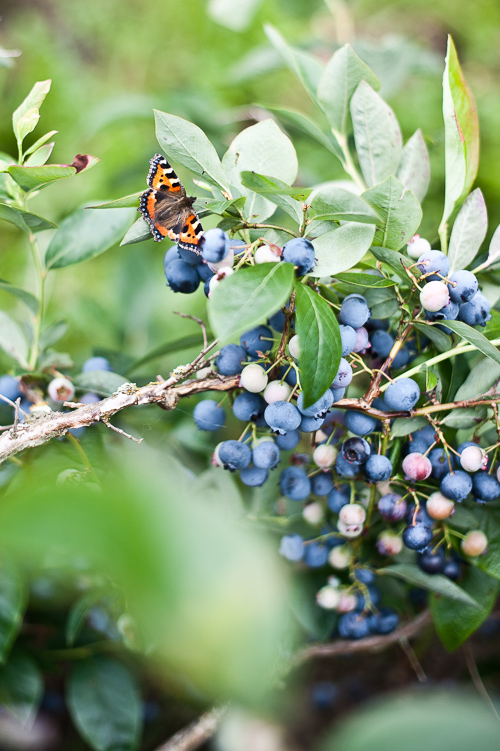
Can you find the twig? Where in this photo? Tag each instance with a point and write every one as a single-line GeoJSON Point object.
{"type": "Point", "coordinates": [199, 322]}
{"type": "Point", "coordinates": [16, 416]}
{"type": "Point", "coordinates": [121, 432]}
{"type": "Point", "coordinates": [12, 404]}
{"type": "Point", "coordinates": [197, 733]}
{"type": "Point", "coordinates": [476, 678]}
{"type": "Point", "coordinates": [369, 644]}
{"type": "Point", "coordinates": [374, 388]}
{"type": "Point", "coordinates": [413, 659]}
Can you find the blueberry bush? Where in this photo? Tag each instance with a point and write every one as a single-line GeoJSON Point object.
{"type": "Point", "coordinates": [348, 370]}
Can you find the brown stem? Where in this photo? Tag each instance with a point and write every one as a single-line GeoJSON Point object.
{"type": "Point", "coordinates": [197, 733]}
{"type": "Point", "coordinates": [374, 388]}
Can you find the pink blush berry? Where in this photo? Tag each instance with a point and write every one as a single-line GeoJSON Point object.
{"type": "Point", "coordinates": [417, 467]}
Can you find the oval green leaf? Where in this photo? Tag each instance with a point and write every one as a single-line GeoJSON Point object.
{"type": "Point", "coordinates": [341, 249]}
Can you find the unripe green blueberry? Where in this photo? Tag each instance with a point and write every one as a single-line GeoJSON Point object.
{"type": "Point", "coordinates": [438, 506]}
{"type": "Point", "coordinates": [277, 391]}
{"type": "Point", "coordinates": [268, 254]}
{"type": "Point", "coordinates": [352, 513]}
{"type": "Point", "coordinates": [226, 262]}
{"type": "Point", "coordinates": [472, 458]}
{"type": "Point", "coordinates": [294, 347]}
{"type": "Point", "coordinates": [389, 543]}
{"type": "Point", "coordinates": [324, 456]}
{"type": "Point", "coordinates": [313, 513]}
{"type": "Point", "coordinates": [474, 543]}
{"type": "Point", "coordinates": [434, 296]}
{"type": "Point", "coordinates": [347, 602]}
{"type": "Point", "coordinates": [328, 598]}
{"type": "Point", "coordinates": [349, 530]}
{"type": "Point", "coordinates": [253, 378]}
{"type": "Point", "coordinates": [417, 246]}
{"type": "Point", "coordinates": [216, 462]}
{"type": "Point", "coordinates": [340, 557]}
{"type": "Point", "coordinates": [217, 278]}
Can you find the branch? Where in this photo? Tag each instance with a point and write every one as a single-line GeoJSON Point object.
{"type": "Point", "coordinates": [369, 644]}
{"type": "Point", "coordinates": [197, 733]}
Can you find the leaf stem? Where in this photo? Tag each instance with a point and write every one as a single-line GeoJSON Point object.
{"type": "Point", "coordinates": [41, 275]}
{"type": "Point", "coordinates": [347, 162]}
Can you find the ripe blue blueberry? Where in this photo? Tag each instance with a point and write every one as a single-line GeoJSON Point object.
{"type": "Point", "coordinates": [338, 394]}
{"type": "Point", "coordinates": [453, 569]}
{"type": "Point", "coordinates": [344, 375]}
{"type": "Point", "coordinates": [322, 484]}
{"type": "Point", "coordinates": [356, 450]}
{"type": "Point", "coordinates": [257, 340]}
{"type": "Point", "coordinates": [421, 517]}
{"type": "Point", "coordinates": [433, 262]}
{"type": "Point", "coordinates": [189, 256]}
{"type": "Point", "coordinates": [463, 285]}
{"type": "Point", "coordinates": [277, 321]}
{"type": "Point", "coordinates": [253, 477]}
{"type": "Point", "coordinates": [204, 272]}
{"type": "Point", "coordinates": [354, 311]}
{"type": "Point", "coordinates": [362, 340]}
{"type": "Point", "coordinates": [365, 575]}
{"type": "Point", "coordinates": [324, 695]}
{"type": "Point", "coordinates": [295, 484]}
{"type": "Point", "coordinates": [248, 406]}
{"type": "Point", "coordinates": [181, 277]}
{"type": "Point", "coordinates": [96, 363]}
{"type": "Point", "coordinates": [9, 387]}
{"type": "Point", "coordinates": [359, 423]}
{"type": "Point", "coordinates": [392, 507]}
{"type": "Point", "coordinates": [208, 415]}
{"type": "Point", "coordinates": [347, 339]}
{"type": "Point", "coordinates": [319, 408]}
{"type": "Point", "coordinates": [378, 468]}
{"type": "Point", "coordinates": [485, 487]}
{"type": "Point", "coordinates": [315, 555]}
{"type": "Point", "coordinates": [401, 358]}
{"type": "Point", "coordinates": [476, 312]}
{"type": "Point", "coordinates": [234, 455]}
{"type": "Point", "coordinates": [432, 562]}
{"type": "Point", "coordinates": [289, 440]}
{"type": "Point", "coordinates": [292, 547]}
{"type": "Point", "coordinates": [266, 455]}
{"type": "Point", "coordinates": [374, 596]}
{"type": "Point", "coordinates": [282, 417]}
{"type": "Point", "coordinates": [402, 395]}
{"type": "Point", "coordinates": [300, 252]}
{"type": "Point", "coordinates": [231, 359]}
{"type": "Point", "coordinates": [338, 497]}
{"type": "Point", "coordinates": [417, 537]}
{"type": "Point", "coordinates": [172, 254]}
{"type": "Point", "coordinates": [456, 485]}
{"type": "Point", "coordinates": [384, 622]}
{"type": "Point", "coordinates": [214, 245]}
{"type": "Point", "coordinates": [382, 342]}
{"type": "Point", "coordinates": [353, 625]}
{"type": "Point", "coordinates": [310, 424]}
{"type": "Point", "coordinates": [439, 461]}
{"type": "Point", "coordinates": [345, 468]}
{"type": "Point", "coordinates": [448, 313]}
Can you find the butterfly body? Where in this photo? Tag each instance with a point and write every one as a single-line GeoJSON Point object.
{"type": "Point", "coordinates": [167, 209]}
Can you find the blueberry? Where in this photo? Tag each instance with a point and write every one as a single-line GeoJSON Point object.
{"type": "Point", "coordinates": [277, 321]}
{"type": "Point", "coordinates": [353, 625]}
{"type": "Point", "coordinates": [230, 360]}
{"type": "Point", "coordinates": [9, 387]}
{"type": "Point", "coordinates": [344, 375]}
{"type": "Point", "coordinates": [359, 423]}
{"type": "Point", "coordinates": [208, 415]}
{"type": "Point", "coordinates": [432, 562]}
{"type": "Point", "coordinates": [253, 476]}
{"type": "Point", "coordinates": [96, 363]}
{"type": "Point", "coordinates": [319, 408]}
{"type": "Point", "coordinates": [181, 277]}
{"type": "Point", "coordinates": [421, 517]}
{"type": "Point", "coordinates": [456, 485]}
{"type": "Point", "coordinates": [453, 569]}
{"type": "Point", "coordinates": [257, 340]}
{"type": "Point", "coordinates": [378, 468]}
{"type": "Point", "coordinates": [266, 455]}
{"type": "Point", "coordinates": [338, 497]}
{"type": "Point", "coordinates": [172, 254]}
{"type": "Point", "coordinates": [316, 555]}
{"type": "Point", "coordinates": [204, 272]}
{"type": "Point", "coordinates": [300, 252]}
{"type": "Point", "coordinates": [401, 358]}
{"type": "Point", "coordinates": [417, 446]}
{"type": "Point", "coordinates": [374, 596]}
{"type": "Point", "coordinates": [384, 622]}
{"type": "Point", "coordinates": [433, 261]}
{"type": "Point", "coordinates": [448, 313]}
{"type": "Point", "coordinates": [382, 342]}
{"type": "Point", "coordinates": [282, 417]}
{"type": "Point", "coordinates": [345, 468]}
{"type": "Point", "coordinates": [292, 547]}
{"type": "Point", "coordinates": [428, 434]}
{"type": "Point", "coordinates": [463, 285]}
{"type": "Point", "coordinates": [248, 406]}
{"type": "Point", "coordinates": [295, 484]}
{"type": "Point", "coordinates": [234, 455]}
{"type": "Point", "coordinates": [440, 466]}
{"type": "Point", "coordinates": [354, 311]}
{"type": "Point", "coordinates": [189, 256]}
{"type": "Point", "coordinates": [289, 440]}
{"type": "Point", "coordinates": [362, 340]}
{"type": "Point", "coordinates": [402, 395]}
{"type": "Point", "coordinates": [417, 537]}
{"type": "Point", "coordinates": [348, 339]}
{"type": "Point", "coordinates": [338, 394]}
{"type": "Point", "coordinates": [324, 695]}
{"type": "Point", "coordinates": [365, 575]}
{"type": "Point", "coordinates": [206, 286]}
{"type": "Point", "coordinates": [310, 424]}
{"type": "Point", "coordinates": [476, 312]}
{"type": "Point", "coordinates": [214, 245]}
{"type": "Point", "coordinates": [322, 484]}
{"type": "Point", "coordinates": [485, 487]}
{"type": "Point", "coordinates": [356, 450]}
{"type": "Point", "coordinates": [392, 507]}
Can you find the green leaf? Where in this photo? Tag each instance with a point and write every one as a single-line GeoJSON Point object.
{"type": "Point", "coordinates": [398, 210]}
{"type": "Point", "coordinates": [86, 234]}
{"type": "Point", "coordinates": [248, 298]}
{"type": "Point", "coordinates": [222, 208]}
{"type": "Point", "coordinates": [494, 249]}
{"type": "Point", "coordinates": [127, 202]}
{"type": "Point", "coordinates": [33, 178]}
{"type": "Point", "coordinates": [138, 233]}
{"type": "Point", "coordinates": [101, 382]}
{"type": "Point", "coordinates": [383, 303]}
{"type": "Point", "coordinates": [483, 376]}
{"type": "Point", "coordinates": [364, 280]}
{"type": "Point", "coordinates": [461, 132]}
{"type": "Point", "coordinates": [13, 602]}
{"type": "Point", "coordinates": [468, 231]}
{"type": "Point", "coordinates": [377, 135]}
{"type": "Point", "coordinates": [402, 426]}
{"type": "Point", "coordinates": [77, 615]}
{"type": "Point", "coordinates": [169, 348]}
{"type": "Point", "coordinates": [21, 687]}
{"type": "Point", "coordinates": [332, 202]}
{"type": "Point", "coordinates": [307, 69]}
{"type": "Point", "coordinates": [464, 418]}
{"type": "Point", "coordinates": [342, 248]}
{"type": "Point", "coordinates": [235, 17]}
{"type": "Point", "coordinates": [434, 582]}
{"type": "Point", "coordinates": [40, 156]}
{"type": "Point", "coordinates": [414, 170]}
{"type": "Point", "coordinates": [104, 703]}
{"type": "Point", "coordinates": [455, 621]}
{"type": "Point", "coordinates": [279, 193]}
{"type": "Point", "coordinates": [396, 261]}
{"type": "Point", "coordinates": [12, 340]}
{"type": "Point", "coordinates": [474, 337]}
{"type": "Point", "coordinates": [343, 74]}
{"type": "Point", "coordinates": [262, 148]}
{"type": "Point", "coordinates": [53, 333]}
{"type": "Point", "coordinates": [26, 116]}
{"type": "Point", "coordinates": [303, 123]}
{"type": "Point", "coordinates": [440, 340]}
{"type": "Point", "coordinates": [40, 142]}
{"type": "Point", "coordinates": [320, 345]}
{"type": "Point", "coordinates": [26, 297]}
{"type": "Point", "coordinates": [187, 144]}
{"type": "Point", "coordinates": [24, 220]}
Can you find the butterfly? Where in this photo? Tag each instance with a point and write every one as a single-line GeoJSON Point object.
{"type": "Point", "coordinates": [167, 209]}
